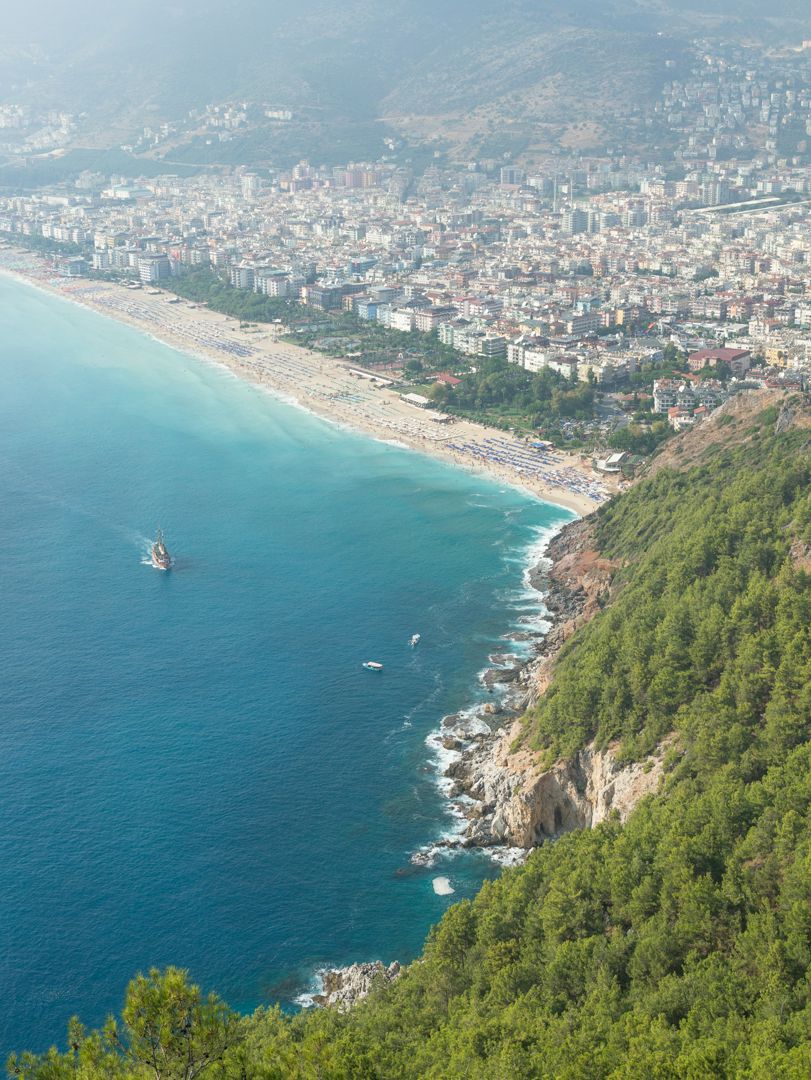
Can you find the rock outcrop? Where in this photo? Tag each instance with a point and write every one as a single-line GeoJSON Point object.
{"type": "Point", "coordinates": [800, 553]}
{"type": "Point", "coordinates": [513, 798]}
{"type": "Point", "coordinates": [523, 803]}
{"type": "Point", "coordinates": [343, 987]}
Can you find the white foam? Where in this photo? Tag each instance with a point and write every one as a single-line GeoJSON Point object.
{"type": "Point", "coordinates": [442, 886]}
{"type": "Point", "coordinates": [468, 725]}
{"type": "Point", "coordinates": [424, 856]}
{"type": "Point", "coordinates": [536, 550]}
{"type": "Point", "coordinates": [471, 725]}
{"type": "Point", "coordinates": [538, 625]}
{"type": "Point", "coordinates": [441, 760]}
{"type": "Point", "coordinates": [508, 856]}
{"type": "Point", "coordinates": [306, 999]}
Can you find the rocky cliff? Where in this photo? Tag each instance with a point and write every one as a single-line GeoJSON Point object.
{"type": "Point", "coordinates": [520, 802]}
{"type": "Point", "coordinates": [508, 794]}
{"type": "Point", "coordinates": [343, 987]}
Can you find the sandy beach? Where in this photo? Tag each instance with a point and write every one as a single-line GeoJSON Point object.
{"type": "Point", "coordinates": [327, 386]}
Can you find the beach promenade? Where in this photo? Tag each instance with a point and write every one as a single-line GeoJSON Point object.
{"type": "Point", "coordinates": [327, 386]}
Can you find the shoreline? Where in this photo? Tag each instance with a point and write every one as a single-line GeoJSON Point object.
{"type": "Point", "coordinates": [467, 743]}
{"type": "Point", "coordinates": [325, 387]}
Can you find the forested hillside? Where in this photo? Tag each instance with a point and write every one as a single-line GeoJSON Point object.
{"type": "Point", "coordinates": [676, 945]}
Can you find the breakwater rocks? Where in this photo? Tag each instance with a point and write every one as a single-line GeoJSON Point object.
{"type": "Point", "coordinates": [343, 987]}
{"type": "Point", "coordinates": [507, 796]}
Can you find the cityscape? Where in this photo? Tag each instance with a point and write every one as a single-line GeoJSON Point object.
{"type": "Point", "coordinates": [404, 429]}
{"type": "Point", "coordinates": [590, 266]}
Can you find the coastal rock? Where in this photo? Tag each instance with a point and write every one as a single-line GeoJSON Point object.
{"type": "Point", "coordinates": [524, 804]}
{"type": "Point", "coordinates": [343, 987]}
{"type": "Point", "coordinates": [459, 769]}
{"type": "Point", "coordinates": [503, 659]}
{"type": "Point", "coordinates": [468, 727]}
{"type": "Point", "coordinates": [423, 858]}
{"type": "Point", "coordinates": [578, 584]}
{"type": "Point", "coordinates": [497, 676]}
{"type": "Point", "coordinates": [538, 575]}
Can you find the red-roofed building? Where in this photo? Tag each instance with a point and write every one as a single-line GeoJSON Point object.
{"type": "Point", "coordinates": [738, 360]}
{"type": "Point", "coordinates": [679, 418]}
{"type": "Point", "coordinates": [448, 380]}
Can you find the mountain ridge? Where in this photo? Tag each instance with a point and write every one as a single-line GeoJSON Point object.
{"type": "Point", "coordinates": [538, 61]}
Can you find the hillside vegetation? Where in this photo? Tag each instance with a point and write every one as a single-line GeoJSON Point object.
{"type": "Point", "coordinates": [699, 623]}
{"type": "Point", "coordinates": [677, 945]}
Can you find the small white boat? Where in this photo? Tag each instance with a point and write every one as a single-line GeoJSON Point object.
{"type": "Point", "coordinates": [415, 640]}
{"type": "Point", "coordinates": [373, 665]}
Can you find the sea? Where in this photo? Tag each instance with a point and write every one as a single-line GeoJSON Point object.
{"type": "Point", "coordinates": [195, 767]}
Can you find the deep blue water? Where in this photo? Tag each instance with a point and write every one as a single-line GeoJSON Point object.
{"type": "Point", "coordinates": [194, 767]}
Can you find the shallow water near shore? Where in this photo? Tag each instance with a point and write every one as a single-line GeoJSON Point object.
{"type": "Point", "coordinates": [194, 767]}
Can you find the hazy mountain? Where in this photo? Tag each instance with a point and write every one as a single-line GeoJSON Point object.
{"type": "Point", "coordinates": [435, 67]}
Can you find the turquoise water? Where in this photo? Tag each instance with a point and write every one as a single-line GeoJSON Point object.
{"type": "Point", "coordinates": [194, 767]}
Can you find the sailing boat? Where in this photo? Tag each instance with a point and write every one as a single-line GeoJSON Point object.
{"type": "Point", "coordinates": [161, 559]}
